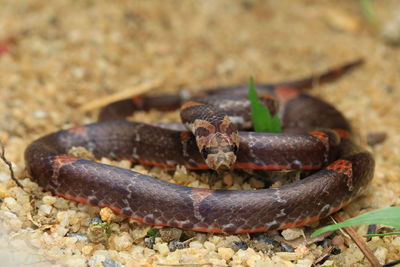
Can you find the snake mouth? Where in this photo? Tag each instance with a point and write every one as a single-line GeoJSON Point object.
{"type": "Point", "coordinates": [221, 160]}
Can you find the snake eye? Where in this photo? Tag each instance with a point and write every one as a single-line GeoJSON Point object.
{"type": "Point", "coordinates": [204, 153]}
{"type": "Point", "coordinates": [235, 149]}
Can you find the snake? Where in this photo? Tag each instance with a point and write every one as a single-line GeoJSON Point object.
{"type": "Point", "coordinates": [316, 139]}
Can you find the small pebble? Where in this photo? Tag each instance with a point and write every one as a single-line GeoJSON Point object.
{"type": "Point", "coordinates": [62, 203]}
{"type": "Point", "coordinates": [97, 234]}
{"type": "Point", "coordinates": [266, 239]}
{"type": "Point", "coordinates": [201, 237]}
{"type": "Point", "coordinates": [107, 215]}
{"type": "Point", "coordinates": [328, 263]}
{"type": "Point", "coordinates": [4, 177]}
{"type": "Point", "coordinates": [12, 204]}
{"type": "Point", "coordinates": [95, 220]}
{"type": "Point", "coordinates": [111, 263]}
{"type": "Point", "coordinates": [75, 260]}
{"type": "Point", "coordinates": [79, 237]}
{"type": "Point", "coordinates": [170, 234]}
{"type": "Point", "coordinates": [40, 114]}
{"type": "Point", "coordinates": [292, 233]}
{"type": "Point", "coordinates": [228, 179]}
{"type": "Point", "coordinates": [61, 231]}
{"type": "Point", "coordinates": [286, 248]}
{"type": "Point", "coordinates": [81, 153]}
{"type": "Point", "coordinates": [195, 244]}
{"type": "Point", "coordinates": [139, 231]}
{"type": "Point", "coordinates": [342, 21]}
{"type": "Point", "coordinates": [162, 248]}
{"type": "Point", "coordinates": [122, 242]}
{"type": "Point", "coordinates": [225, 253]}
{"type": "Point", "coordinates": [302, 250]}
{"type": "Point", "coordinates": [391, 31]}
{"type": "Point", "coordinates": [304, 263]}
{"type": "Point", "coordinates": [210, 246]}
{"type": "Point", "coordinates": [263, 243]}
{"type": "Point", "coordinates": [174, 245]}
{"type": "Point", "coordinates": [126, 164]}
{"type": "Point", "coordinates": [49, 200]}
{"type": "Point", "coordinates": [396, 242]}
{"type": "Point", "coordinates": [149, 242]}
{"type": "Point", "coordinates": [290, 256]}
{"type": "Point", "coordinates": [381, 254]}
{"type": "Point", "coordinates": [3, 191]}
{"type": "Point", "coordinates": [46, 209]}
{"type": "Point", "coordinates": [236, 245]}
{"type": "Point", "coordinates": [338, 241]}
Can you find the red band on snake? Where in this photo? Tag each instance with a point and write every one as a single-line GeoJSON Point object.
{"type": "Point", "coordinates": [341, 169]}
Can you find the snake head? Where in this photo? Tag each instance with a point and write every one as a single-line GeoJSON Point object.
{"type": "Point", "coordinates": [218, 141]}
{"type": "Point", "coordinates": [219, 152]}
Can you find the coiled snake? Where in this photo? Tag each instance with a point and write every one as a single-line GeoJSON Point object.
{"type": "Point", "coordinates": [316, 137]}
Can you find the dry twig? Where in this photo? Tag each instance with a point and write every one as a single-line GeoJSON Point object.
{"type": "Point", "coordinates": [131, 92]}
{"type": "Point", "coordinates": [3, 157]}
{"type": "Point", "coordinates": [359, 242]}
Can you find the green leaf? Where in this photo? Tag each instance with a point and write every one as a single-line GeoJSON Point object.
{"type": "Point", "coordinates": [387, 216]}
{"type": "Point", "coordinates": [152, 232]}
{"type": "Point", "coordinates": [260, 115]}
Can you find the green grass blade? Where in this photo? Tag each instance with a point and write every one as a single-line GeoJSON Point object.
{"type": "Point", "coordinates": [260, 115]}
{"type": "Point", "coordinates": [385, 234]}
{"type": "Point", "coordinates": [387, 216]}
{"type": "Point", "coordinates": [368, 12]}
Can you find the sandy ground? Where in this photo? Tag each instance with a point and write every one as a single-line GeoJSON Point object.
{"type": "Point", "coordinates": [56, 56]}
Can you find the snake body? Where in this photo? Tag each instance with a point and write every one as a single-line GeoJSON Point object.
{"type": "Point", "coordinates": [316, 138]}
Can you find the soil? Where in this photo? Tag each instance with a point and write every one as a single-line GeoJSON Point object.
{"type": "Point", "coordinates": [57, 56]}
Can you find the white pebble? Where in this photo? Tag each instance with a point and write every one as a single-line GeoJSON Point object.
{"type": "Point", "coordinates": [8, 214]}
{"type": "Point", "coordinates": [40, 114]}
{"type": "Point", "coordinates": [195, 244]}
{"type": "Point", "coordinates": [63, 218]}
{"type": "Point", "coordinates": [15, 224]}
{"type": "Point", "coordinates": [381, 254]}
{"type": "Point", "coordinates": [264, 263]}
{"type": "Point", "coordinates": [96, 260]}
{"type": "Point", "coordinates": [69, 241]}
{"type": "Point", "coordinates": [86, 250]}
{"type": "Point", "coordinates": [225, 253]}
{"type": "Point", "coordinates": [304, 263]}
{"type": "Point", "coordinates": [396, 242]}
{"type": "Point", "coordinates": [12, 204]}
{"type": "Point", "coordinates": [328, 263]}
{"type": "Point", "coordinates": [4, 177]}
{"type": "Point", "coordinates": [208, 245]}
{"type": "Point", "coordinates": [49, 200]}
{"type": "Point", "coordinates": [162, 248]}
{"type": "Point", "coordinates": [122, 242]}
{"type": "Point", "coordinates": [290, 256]}
{"type": "Point", "coordinates": [292, 233]}
{"type": "Point", "coordinates": [46, 209]}
{"type": "Point", "coordinates": [75, 260]}
{"type": "Point", "coordinates": [61, 231]}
